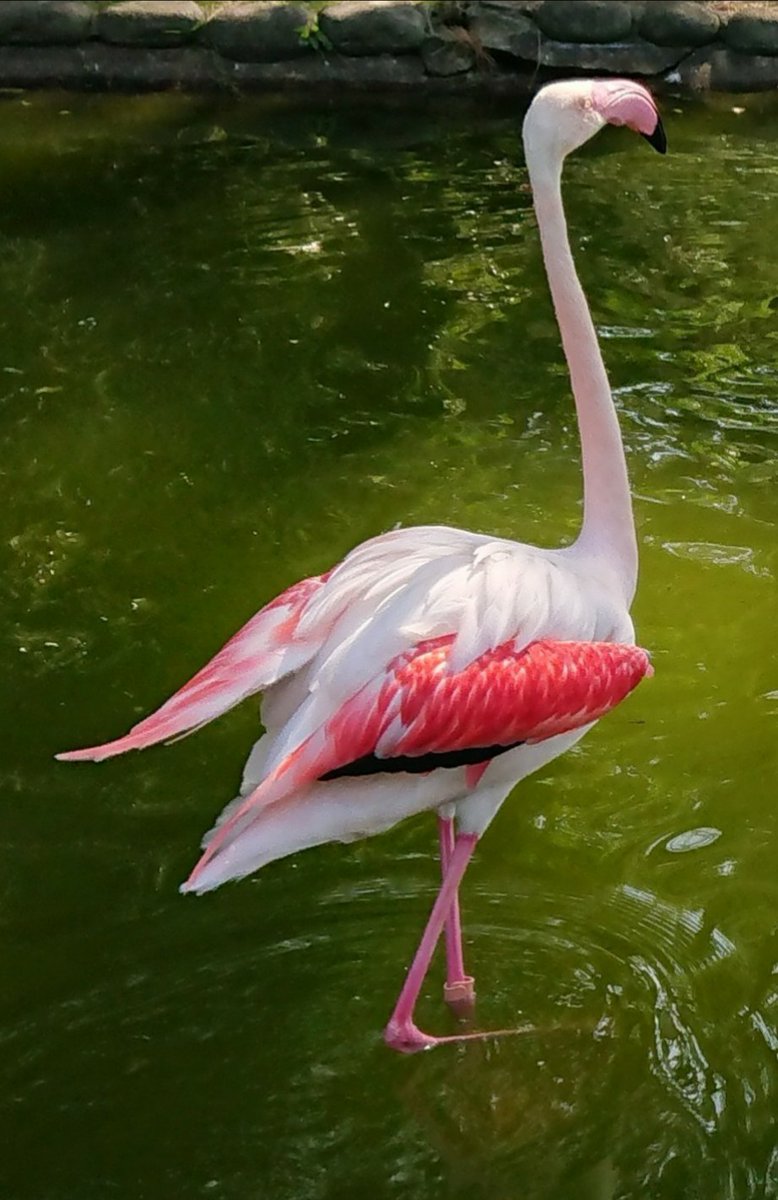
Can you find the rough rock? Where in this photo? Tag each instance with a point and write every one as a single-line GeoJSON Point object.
{"type": "Point", "coordinates": [724, 70]}
{"type": "Point", "coordinates": [682, 23]}
{"type": "Point", "coordinates": [149, 22]}
{"type": "Point", "coordinates": [99, 66]}
{"type": "Point", "coordinates": [96, 66]}
{"type": "Point", "coordinates": [375, 26]}
{"type": "Point", "coordinates": [385, 73]}
{"type": "Point", "coordinates": [44, 22]}
{"type": "Point", "coordinates": [585, 20]}
{"type": "Point", "coordinates": [499, 28]}
{"type": "Point", "coordinates": [259, 31]}
{"type": "Point", "coordinates": [515, 6]}
{"type": "Point", "coordinates": [633, 58]}
{"type": "Point", "coordinates": [449, 12]}
{"type": "Point", "coordinates": [390, 46]}
{"type": "Point", "coordinates": [446, 54]}
{"type": "Point", "coordinates": [751, 33]}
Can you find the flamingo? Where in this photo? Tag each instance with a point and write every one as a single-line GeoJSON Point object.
{"type": "Point", "coordinates": [433, 668]}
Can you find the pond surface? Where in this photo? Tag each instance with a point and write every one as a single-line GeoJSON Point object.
{"type": "Point", "coordinates": [235, 340]}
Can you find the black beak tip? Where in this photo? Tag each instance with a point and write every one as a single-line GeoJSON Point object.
{"type": "Point", "coordinates": [657, 139]}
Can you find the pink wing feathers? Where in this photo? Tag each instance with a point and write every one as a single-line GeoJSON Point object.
{"type": "Point", "coordinates": [263, 651]}
{"type": "Point", "coordinates": [420, 708]}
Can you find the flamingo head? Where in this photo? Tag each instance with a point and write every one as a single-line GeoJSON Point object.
{"type": "Point", "coordinates": [566, 114]}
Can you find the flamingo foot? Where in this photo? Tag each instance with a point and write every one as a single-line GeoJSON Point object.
{"type": "Point", "coordinates": [460, 996]}
{"type": "Point", "coordinates": [406, 1038]}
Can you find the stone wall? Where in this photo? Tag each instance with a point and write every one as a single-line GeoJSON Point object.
{"type": "Point", "coordinates": [397, 46]}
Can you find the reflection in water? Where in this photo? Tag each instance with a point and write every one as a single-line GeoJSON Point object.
{"type": "Point", "coordinates": [540, 1108]}
{"type": "Point", "coordinates": [692, 839]}
{"type": "Point", "coordinates": [305, 329]}
{"type": "Point", "coordinates": [719, 556]}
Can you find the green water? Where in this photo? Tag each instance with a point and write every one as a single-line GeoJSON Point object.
{"type": "Point", "coordinates": [234, 341]}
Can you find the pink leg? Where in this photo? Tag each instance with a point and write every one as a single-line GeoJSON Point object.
{"type": "Point", "coordinates": [401, 1033]}
{"type": "Point", "coordinates": [458, 990]}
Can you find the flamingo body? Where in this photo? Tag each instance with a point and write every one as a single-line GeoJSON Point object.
{"type": "Point", "coordinates": [534, 659]}
{"type": "Point", "coordinates": [433, 668]}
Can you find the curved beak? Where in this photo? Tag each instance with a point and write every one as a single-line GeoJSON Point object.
{"type": "Point", "coordinates": [657, 139]}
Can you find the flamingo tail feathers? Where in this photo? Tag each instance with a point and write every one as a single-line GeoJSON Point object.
{"type": "Point", "coordinates": [263, 651]}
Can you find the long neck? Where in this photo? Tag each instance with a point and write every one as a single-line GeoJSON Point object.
{"type": "Point", "coordinates": [608, 530]}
